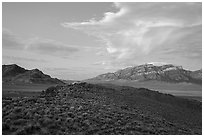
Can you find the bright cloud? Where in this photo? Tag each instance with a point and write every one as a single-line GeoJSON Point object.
{"type": "Point", "coordinates": [147, 29]}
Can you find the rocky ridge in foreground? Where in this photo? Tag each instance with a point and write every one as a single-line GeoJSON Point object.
{"type": "Point", "coordinates": [93, 109]}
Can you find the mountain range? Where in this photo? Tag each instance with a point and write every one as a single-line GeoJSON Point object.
{"type": "Point", "coordinates": [16, 74]}
{"type": "Point", "coordinates": [83, 108]}
{"type": "Point", "coordinates": [165, 73]}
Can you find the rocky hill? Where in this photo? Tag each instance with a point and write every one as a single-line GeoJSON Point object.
{"type": "Point", "coordinates": [166, 73]}
{"type": "Point", "coordinates": [81, 108]}
{"type": "Point", "coordinates": [16, 74]}
{"type": "Point", "coordinates": [12, 70]}
{"type": "Point", "coordinates": [197, 74]}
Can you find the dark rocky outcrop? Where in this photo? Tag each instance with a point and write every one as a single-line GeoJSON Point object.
{"type": "Point", "coordinates": [16, 74]}
{"type": "Point", "coordinates": [12, 70]}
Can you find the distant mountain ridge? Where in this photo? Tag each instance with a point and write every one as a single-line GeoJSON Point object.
{"type": "Point", "coordinates": [16, 74]}
{"type": "Point", "coordinates": [166, 73]}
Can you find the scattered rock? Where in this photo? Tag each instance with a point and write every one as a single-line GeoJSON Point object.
{"type": "Point", "coordinates": [89, 109]}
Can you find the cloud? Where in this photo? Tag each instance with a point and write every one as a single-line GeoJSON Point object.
{"type": "Point", "coordinates": [11, 41]}
{"type": "Point", "coordinates": [186, 42]}
{"type": "Point", "coordinates": [37, 45]}
{"type": "Point", "coordinates": [50, 47]}
{"type": "Point", "coordinates": [14, 58]}
{"type": "Point", "coordinates": [140, 30]}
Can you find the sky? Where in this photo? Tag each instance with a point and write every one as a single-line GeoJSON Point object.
{"type": "Point", "coordinates": [76, 41]}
